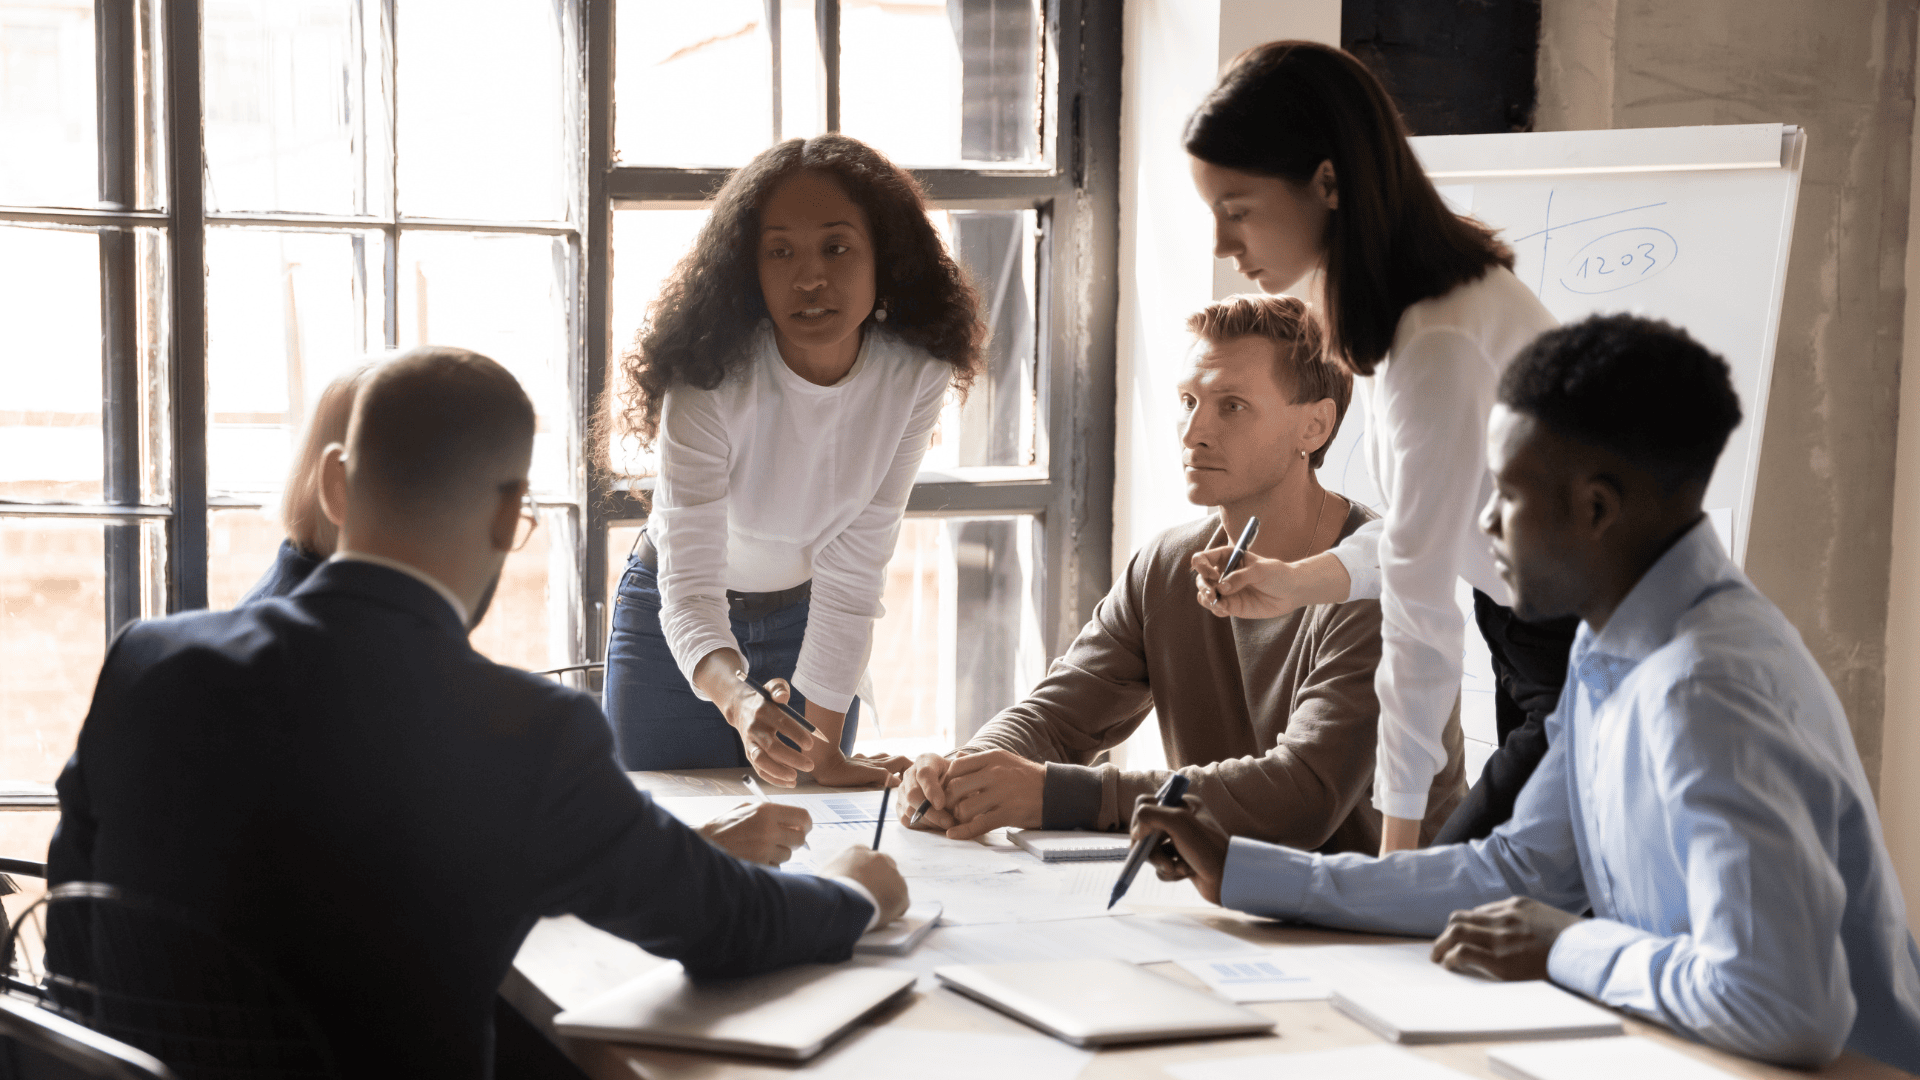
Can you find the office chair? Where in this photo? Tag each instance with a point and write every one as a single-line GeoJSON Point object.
{"type": "Point", "coordinates": [36, 1044]}
{"type": "Point", "coordinates": [142, 972]}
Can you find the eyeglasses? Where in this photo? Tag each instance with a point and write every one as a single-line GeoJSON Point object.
{"type": "Point", "coordinates": [529, 521]}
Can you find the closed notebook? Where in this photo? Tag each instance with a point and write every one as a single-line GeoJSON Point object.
{"type": "Point", "coordinates": [1507, 1010]}
{"type": "Point", "coordinates": [1073, 846]}
{"type": "Point", "coordinates": [899, 937]}
{"type": "Point", "coordinates": [1100, 1002]}
{"type": "Point", "coordinates": [1600, 1059]}
{"type": "Point", "coordinates": [790, 1015]}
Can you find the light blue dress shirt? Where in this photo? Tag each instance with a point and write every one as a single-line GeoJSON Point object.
{"type": "Point", "coordinates": [1702, 794]}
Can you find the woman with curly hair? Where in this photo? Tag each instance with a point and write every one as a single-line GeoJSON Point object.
{"type": "Point", "coordinates": [790, 375]}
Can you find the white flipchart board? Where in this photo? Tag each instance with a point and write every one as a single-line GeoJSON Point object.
{"type": "Point", "coordinates": [1690, 225]}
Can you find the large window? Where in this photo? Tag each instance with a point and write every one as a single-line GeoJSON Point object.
{"type": "Point", "coordinates": [211, 208]}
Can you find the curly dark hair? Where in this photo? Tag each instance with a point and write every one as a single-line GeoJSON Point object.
{"type": "Point", "coordinates": [709, 309]}
{"type": "Point", "coordinates": [1642, 388]}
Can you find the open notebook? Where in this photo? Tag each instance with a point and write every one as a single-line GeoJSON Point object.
{"type": "Point", "coordinates": [1599, 1059]}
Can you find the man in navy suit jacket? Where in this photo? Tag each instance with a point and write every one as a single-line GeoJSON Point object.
{"type": "Point", "coordinates": [354, 796]}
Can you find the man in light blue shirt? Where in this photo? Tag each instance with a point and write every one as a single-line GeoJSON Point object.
{"type": "Point", "coordinates": [1701, 794]}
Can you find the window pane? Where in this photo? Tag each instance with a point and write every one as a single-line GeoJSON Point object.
{"type": "Point", "coordinates": [50, 441]}
{"type": "Point", "coordinates": [507, 297]}
{"type": "Point", "coordinates": [529, 623]}
{"type": "Point", "coordinates": [997, 424]}
{"type": "Point", "coordinates": [935, 82]}
{"type": "Point", "coordinates": [241, 544]}
{"type": "Point", "coordinates": [695, 82]}
{"type": "Point", "coordinates": [286, 312]}
{"type": "Point", "coordinates": [488, 121]}
{"type": "Point", "coordinates": [48, 111]}
{"type": "Point", "coordinates": [286, 121]}
{"type": "Point", "coordinates": [52, 639]}
{"type": "Point", "coordinates": [647, 244]}
{"type": "Point", "coordinates": [932, 683]}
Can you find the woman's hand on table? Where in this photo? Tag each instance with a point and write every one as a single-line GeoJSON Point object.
{"type": "Point", "coordinates": [763, 832]}
{"type": "Point", "coordinates": [860, 770]}
{"type": "Point", "coordinates": [1195, 845]}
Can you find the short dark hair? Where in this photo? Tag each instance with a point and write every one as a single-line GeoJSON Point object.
{"type": "Point", "coordinates": [1641, 388]}
{"type": "Point", "coordinates": [1301, 363]}
{"type": "Point", "coordinates": [428, 420]}
{"type": "Point", "coordinates": [1283, 108]}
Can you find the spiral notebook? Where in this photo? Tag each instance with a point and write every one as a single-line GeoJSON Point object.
{"type": "Point", "coordinates": [1073, 845]}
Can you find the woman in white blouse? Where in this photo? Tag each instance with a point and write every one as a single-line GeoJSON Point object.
{"type": "Point", "coordinates": [791, 374]}
{"type": "Point", "coordinates": [1304, 161]}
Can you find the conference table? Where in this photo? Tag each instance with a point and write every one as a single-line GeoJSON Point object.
{"type": "Point", "coordinates": [565, 963]}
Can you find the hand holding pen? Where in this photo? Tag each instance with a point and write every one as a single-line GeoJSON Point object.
{"type": "Point", "coordinates": [780, 742]}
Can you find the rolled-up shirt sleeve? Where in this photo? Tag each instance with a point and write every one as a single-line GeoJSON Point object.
{"type": "Point", "coordinates": [688, 526]}
{"type": "Point", "coordinates": [1359, 553]}
{"type": "Point", "coordinates": [1759, 967]}
{"type": "Point", "coordinates": [1435, 398]}
{"type": "Point", "coordinates": [849, 572]}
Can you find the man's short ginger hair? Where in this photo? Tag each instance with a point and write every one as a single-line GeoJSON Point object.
{"type": "Point", "coordinates": [1302, 367]}
{"type": "Point", "coordinates": [431, 427]}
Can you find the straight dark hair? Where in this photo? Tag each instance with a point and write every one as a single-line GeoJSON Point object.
{"type": "Point", "coordinates": [1283, 108]}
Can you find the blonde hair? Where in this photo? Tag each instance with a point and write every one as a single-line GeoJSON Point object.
{"type": "Point", "coordinates": [307, 526]}
{"type": "Point", "coordinates": [1301, 364]}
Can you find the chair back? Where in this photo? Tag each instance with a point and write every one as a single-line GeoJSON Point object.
{"type": "Point", "coordinates": [143, 972]}
{"type": "Point", "coordinates": [36, 1044]}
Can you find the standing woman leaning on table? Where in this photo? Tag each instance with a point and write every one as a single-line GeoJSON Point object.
{"type": "Point", "coordinates": [791, 375]}
{"type": "Point", "coordinates": [1303, 158]}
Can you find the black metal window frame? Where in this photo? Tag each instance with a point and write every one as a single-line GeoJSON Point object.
{"type": "Point", "coordinates": [1075, 196]}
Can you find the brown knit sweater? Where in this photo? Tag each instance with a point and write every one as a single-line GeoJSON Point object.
{"type": "Point", "coordinates": [1272, 720]}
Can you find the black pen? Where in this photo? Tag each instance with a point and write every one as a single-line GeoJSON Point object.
{"type": "Point", "coordinates": [1241, 545]}
{"type": "Point", "coordinates": [925, 805]}
{"type": "Point", "coordinates": [882, 823]}
{"type": "Point", "coordinates": [768, 694]}
{"type": "Point", "coordinates": [1170, 794]}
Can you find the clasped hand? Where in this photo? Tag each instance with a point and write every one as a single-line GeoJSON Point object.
{"type": "Point", "coordinates": [974, 794]}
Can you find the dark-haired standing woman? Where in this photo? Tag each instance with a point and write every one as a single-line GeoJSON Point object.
{"type": "Point", "coordinates": [1303, 158]}
{"type": "Point", "coordinates": [791, 375]}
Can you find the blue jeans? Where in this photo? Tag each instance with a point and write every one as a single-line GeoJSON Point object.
{"type": "Point", "coordinates": [658, 722]}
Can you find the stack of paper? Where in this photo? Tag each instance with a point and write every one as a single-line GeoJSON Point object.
{"type": "Point", "coordinates": [1599, 1059]}
{"type": "Point", "coordinates": [1513, 1010]}
{"type": "Point", "coordinates": [1072, 845]}
{"type": "Point", "coordinates": [1348, 1063]}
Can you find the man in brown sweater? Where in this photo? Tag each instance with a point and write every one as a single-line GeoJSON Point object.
{"type": "Point", "coordinates": [1273, 721]}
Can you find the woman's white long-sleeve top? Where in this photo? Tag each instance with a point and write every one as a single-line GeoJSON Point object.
{"type": "Point", "coordinates": [769, 480]}
{"type": "Point", "coordinates": [1427, 406]}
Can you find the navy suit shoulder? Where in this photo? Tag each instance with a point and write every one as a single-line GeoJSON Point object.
{"type": "Point", "coordinates": [352, 793]}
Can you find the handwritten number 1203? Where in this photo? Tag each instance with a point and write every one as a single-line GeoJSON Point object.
{"type": "Point", "coordinates": [1636, 262]}
{"type": "Point", "coordinates": [1619, 259]}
